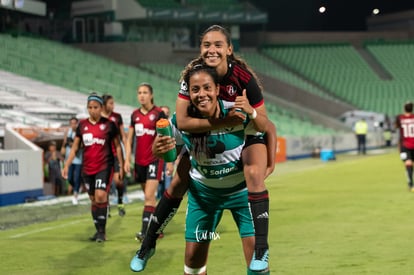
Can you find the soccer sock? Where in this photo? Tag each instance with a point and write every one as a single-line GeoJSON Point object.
{"type": "Point", "coordinates": [120, 191]}
{"type": "Point", "coordinates": [259, 206]}
{"type": "Point", "coordinates": [165, 211]}
{"type": "Point", "coordinates": [101, 216]}
{"type": "Point", "coordinates": [146, 215]}
{"type": "Point", "coordinates": [93, 212]}
{"type": "Point", "coordinates": [410, 175]}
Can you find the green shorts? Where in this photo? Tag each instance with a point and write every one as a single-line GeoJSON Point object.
{"type": "Point", "coordinates": [205, 209]}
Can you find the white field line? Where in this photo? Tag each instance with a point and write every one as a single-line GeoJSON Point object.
{"type": "Point", "coordinates": [46, 229]}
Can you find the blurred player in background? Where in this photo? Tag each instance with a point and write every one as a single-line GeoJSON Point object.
{"type": "Point", "coordinates": [108, 112]}
{"type": "Point", "coordinates": [405, 124]}
{"type": "Point", "coordinates": [148, 168]}
{"type": "Point", "coordinates": [97, 135]}
{"type": "Point", "coordinates": [74, 173]}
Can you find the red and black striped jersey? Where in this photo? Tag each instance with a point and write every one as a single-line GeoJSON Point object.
{"type": "Point", "coordinates": [144, 128]}
{"type": "Point", "coordinates": [405, 123]}
{"type": "Point", "coordinates": [232, 85]}
{"type": "Point", "coordinates": [97, 142]}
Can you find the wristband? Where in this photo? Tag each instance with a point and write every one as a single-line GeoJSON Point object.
{"type": "Point", "coordinates": [253, 115]}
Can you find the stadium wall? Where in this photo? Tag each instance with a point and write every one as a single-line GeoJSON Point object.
{"type": "Point", "coordinates": [256, 39]}
{"type": "Point", "coordinates": [21, 169]}
{"type": "Point", "coordinates": [304, 147]}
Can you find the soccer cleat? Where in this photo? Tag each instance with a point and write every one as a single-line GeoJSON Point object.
{"type": "Point", "coordinates": [140, 236]}
{"type": "Point", "coordinates": [249, 272]}
{"type": "Point", "coordinates": [93, 238]}
{"type": "Point", "coordinates": [260, 261]}
{"type": "Point", "coordinates": [125, 200]}
{"type": "Point", "coordinates": [139, 261]}
{"type": "Point", "coordinates": [121, 210]}
{"type": "Point", "coordinates": [100, 237]}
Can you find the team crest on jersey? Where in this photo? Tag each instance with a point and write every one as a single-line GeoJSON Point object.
{"type": "Point", "coordinates": [184, 86]}
{"type": "Point", "coordinates": [102, 127]}
{"type": "Point", "coordinates": [113, 119]}
{"type": "Point", "coordinates": [86, 128]}
{"type": "Point", "coordinates": [231, 91]}
{"type": "Point", "coordinates": [152, 117]}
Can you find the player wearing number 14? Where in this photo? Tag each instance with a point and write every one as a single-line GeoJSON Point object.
{"type": "Point", "coordinates": [405, 123]}
{"type": "Point", "coordinates": [96, 134]}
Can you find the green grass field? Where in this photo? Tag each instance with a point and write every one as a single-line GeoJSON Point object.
{"type": "Point", "coordinates": [349, 216]}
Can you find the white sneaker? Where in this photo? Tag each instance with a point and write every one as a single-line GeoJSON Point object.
{"type": "Point", "coordinates": [75, 201]}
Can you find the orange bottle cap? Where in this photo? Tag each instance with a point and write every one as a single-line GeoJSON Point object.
{"type": "Point", "coordinates": [162, 123]}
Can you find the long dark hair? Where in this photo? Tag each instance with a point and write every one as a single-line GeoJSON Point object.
{"type": "Point", "coordinates": [199, 140]}
{"type": "Point", "coordinates": [231, 58]}
{"type": "Point", "coordinates": [149, 86]}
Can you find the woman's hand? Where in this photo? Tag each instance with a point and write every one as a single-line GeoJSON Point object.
{"type": "Point", "coordinates": [162, 144]}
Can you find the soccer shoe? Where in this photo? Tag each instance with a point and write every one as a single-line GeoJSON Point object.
{"type": "Point", "coordinates": [121, 210]}
{"type": "Point", "coordinates": [139, 261]}
{"type": "Point", "coordinates": [249, 272]}
{"type": "Point", "coordinates": [260, 260]}
{"type": "Point", "coordinates": [139, 236]}
{"type": "Point", "coordinates": [100, 237]}
{"type": "Point", "coordinates": [93, 238]}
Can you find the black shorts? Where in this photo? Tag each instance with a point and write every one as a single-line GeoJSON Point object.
{"type": "Point", "coordinates": [152, 171]}
{"type": "Point", "coordinates": [406, 154]}
{"type": "Point", "coordinates": [101, 180]}
{"type": "Point", "coordinates": [250, 139]}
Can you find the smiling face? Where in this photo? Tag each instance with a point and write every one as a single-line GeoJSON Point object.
{"type": "Point", "coordinates": [214, 50]}
{"type": "Point", "coordinates": [203, 93]}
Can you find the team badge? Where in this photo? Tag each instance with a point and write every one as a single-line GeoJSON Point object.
{"type": "Point", "coordinates": [152, 117]}
{"type": "Point", "coordinates": [86, 128]}
{"type": "Point", "coordinates": [102, 127]}
{"type": "Point", "coordinates": [231, 91]}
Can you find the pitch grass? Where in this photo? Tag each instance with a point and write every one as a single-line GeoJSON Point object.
{"type": "Point", "coordinates": [350, 216]}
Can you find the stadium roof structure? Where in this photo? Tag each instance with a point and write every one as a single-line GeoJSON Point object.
{"type": "Point", "coordinates": [171, 11]}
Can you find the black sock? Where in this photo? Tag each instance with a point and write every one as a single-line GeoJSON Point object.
{"type": "Point", "coordinates": [410, 175]}
{"type": "Point", "coordinates": [259, 206]}
{"type": "Point", "coordinates": [94, 215]}
{"type": "Point", "coordinates": [146, 216]}
{"type": "Point", "coordinates": [165, 211]}
{"type": "Point", "coordinates": [120, 191]}
{"type": "Point", "coordinates": [101, 216]}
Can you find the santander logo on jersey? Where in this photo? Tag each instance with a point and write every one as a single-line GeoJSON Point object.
{"type": "Point", "coordinates": [89, 140]}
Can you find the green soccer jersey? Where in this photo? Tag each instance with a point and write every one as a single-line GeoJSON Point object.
{"type": "Point", "coordinates": [220, 166]}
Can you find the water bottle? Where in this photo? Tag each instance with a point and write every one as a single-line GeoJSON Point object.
{"type": "Point", "coordinates": [164, 129]}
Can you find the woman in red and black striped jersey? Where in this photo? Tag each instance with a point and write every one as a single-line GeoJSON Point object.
{"type": "Point", "coordinates": [96, 134]}
{"type": "Point", "coordinates": [108, 112]}
{"type": "Point", "coordinates": [148, 168]}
